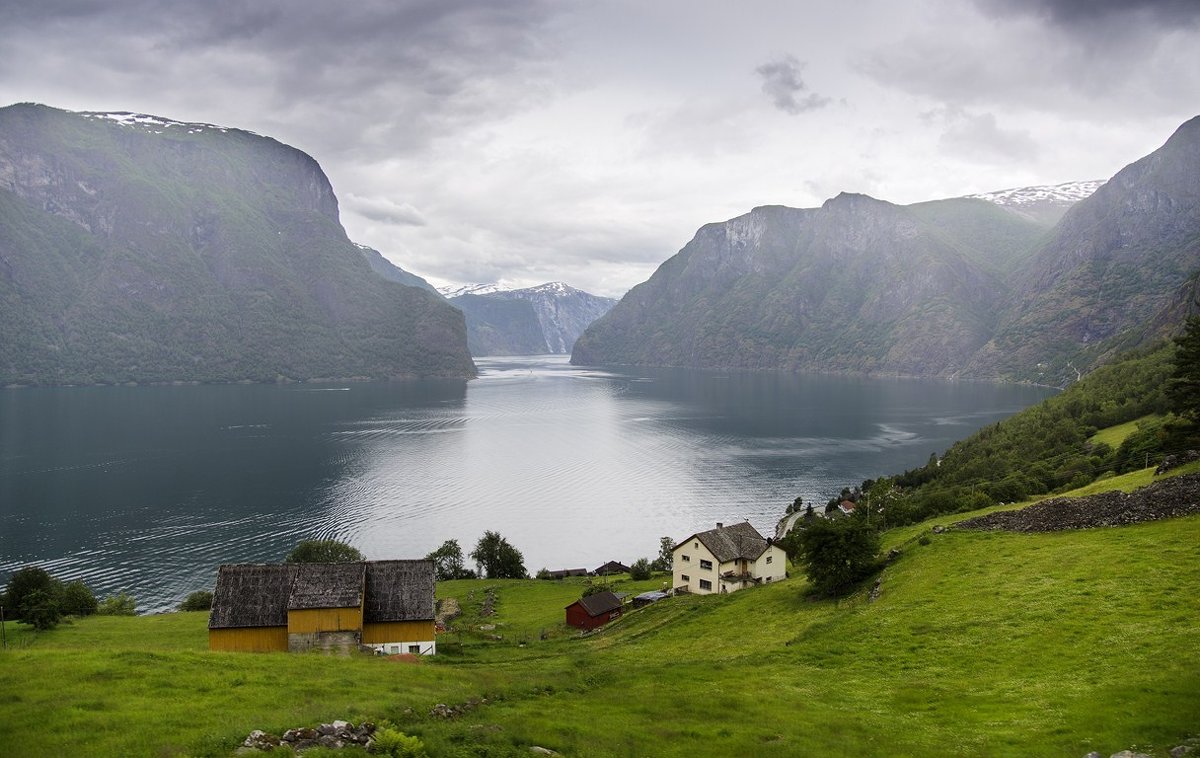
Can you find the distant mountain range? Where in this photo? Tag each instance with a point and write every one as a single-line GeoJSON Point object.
{"type": "Point", "coordinates": [535, 320]}
{"type": "Point", "coordinates": [135, 248]}
{"type": "Point", "coordinates": [980, 286]}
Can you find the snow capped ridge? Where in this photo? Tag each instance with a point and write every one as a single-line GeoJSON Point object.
{"type": "Point", "coordinates": [454, 290]}
{"type": "Point", "coordinates": [155, 124]}
{"type": "Point", "coordinates": [1068, 192]}
{"type": "Point", "coordinates": [551, 288]}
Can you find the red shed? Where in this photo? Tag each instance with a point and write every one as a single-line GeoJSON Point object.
{"type": "Point", "coordinates": [594, 610]}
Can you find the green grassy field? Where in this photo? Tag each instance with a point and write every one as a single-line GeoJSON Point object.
{"type": "Point", "coordinates": [980, 644]}
{"type": "Point", "coordinates": [1113, 436]}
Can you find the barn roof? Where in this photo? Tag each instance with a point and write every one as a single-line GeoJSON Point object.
{"type": "Point", "coordinates": [399, 591]}
{"type": "Point", "coordinates": [733, 542]}
{"type": "Point", "coordinates": [249, 594]}
{"type": "Point", "coordinates": [612, 567]}
{"type": "Point", "coordinates": [601, 602]}
{"type": "Point", "coordinates": [326, 585]}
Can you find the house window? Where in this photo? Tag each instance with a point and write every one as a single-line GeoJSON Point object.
{"type": "Point", "coordinates": [705, 584]}
{"type": "Point", "coordinates": [768, 580]}
{"type": "Point", "coordinates": [685, 577]}
{"type": "Point", "coordinates": [686, 558]}
{"type": "Point", "coordinates": [696, 545]}
{"type": "Point", "coordinates": [769, 557]}
{"type": "Point", "coordinates": [706, 565]}
{"type": "Point", "coordinates": [414, 649]}
{"type": "Point", "coordinates": [395, 649]}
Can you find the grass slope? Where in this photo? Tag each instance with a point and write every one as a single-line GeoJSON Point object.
{"type": "Point", "coordinates": [987, 644]}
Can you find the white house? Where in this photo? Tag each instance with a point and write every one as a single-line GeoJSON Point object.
{"type": "Point", "coordinates": [726, 559]}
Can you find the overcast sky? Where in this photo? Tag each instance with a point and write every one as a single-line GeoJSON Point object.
{"type": "Point", "coordinates": [520, 141]}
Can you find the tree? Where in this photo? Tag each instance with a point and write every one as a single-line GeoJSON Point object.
{"type": "Point", "coordinates": [666, 551]}
{"type": "Point", "coordinates": [323, 551]}
{"type": "Point", "coordinates": [200, 600]}
{"type": "Point", "coordinates": [77, 599]}
{"type": "Point", "coordinates": [448, 562]}
{"type": "Point", "coordinates": [40, 609]}
{"type": "Point", "coordinates": [640, 569]}
{"type": "Point", "coordinates": [1183, 388]}
{"type": "Point", "coordinates": [837, 553]}
{"type": "Point", "coordinates": [28, 580]}
{"type": "Point", "coordinates": [495, 558]}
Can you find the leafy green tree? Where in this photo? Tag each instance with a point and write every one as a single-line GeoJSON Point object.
{"type": "Point", "coordinates": [120, 604]}
{"type": "Point", "coordinates": [1183, 388]}
{"type": "Point", "coordinates": [26, 581]}
{"type": "Point", "coordinates": [666, 551]}
{"type": "Point", "coordinates": [200, 600]}
{"type": "Point", "coordinates": [448, 562]}
{"type": "Point", "coordinates": [40, 609]}
{"type": "Point", "coordinates": [495, 558]}
{"type": "Point", "coordinates": [640, 569]}
{"type": "Point", "coordinates": [323, 551]}
{"type": "Point", "coordinates": [77, 599]}
{"type": "Point", "coordinates": [837, 553]}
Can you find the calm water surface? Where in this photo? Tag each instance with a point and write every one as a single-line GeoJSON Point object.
{"type": "Point", "coordinates": [148, 489]}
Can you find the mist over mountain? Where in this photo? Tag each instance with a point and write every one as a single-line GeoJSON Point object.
{"type": "Point", "coordinates": [135, 248]}
{"type": "Point", "coordinates": [978, 286]}
{"type": "Point", "coordinates": [547, 318]}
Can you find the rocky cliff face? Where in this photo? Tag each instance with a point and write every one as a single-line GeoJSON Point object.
{"type": "Point", "coordinates": [543, 319]}
{"type": "Point", "coordinates": [139, 249]}
{"type": "Point", "coordinates": [961, 287]}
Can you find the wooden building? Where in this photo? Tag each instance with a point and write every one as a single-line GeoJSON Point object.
{"type": "Point", "coordinates": [385, 605]}
{"type": "Point", "coordinates": [594, 610]}
{"type": "Point", "coordinates": [610, 568]}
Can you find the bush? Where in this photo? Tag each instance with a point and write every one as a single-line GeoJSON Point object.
{"type": "Point", "coordinates": [200, 600]}
{"type": "Point", "coordinates": [77, 599]}
{"type": "Point", "coordinates": [837, 553]}
{"type": "Point", "coordinates": [640, 569]}
{"type": "Point", "coordinates": [397, 744]}
{"type": "Point", "coordinates": [41, 610]}
{"type": "Point", "coordinates": [120, 604]}
{"type": "Point", "coordinates": [323, 551]}
{"type": "Point", "coordinates": [26, 581]}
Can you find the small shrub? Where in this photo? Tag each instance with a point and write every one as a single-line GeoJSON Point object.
{"type": "Point", "coordinates": [640, 569]}
{"type": "Point", "coordinates": [397, 744]}
{"type": "Point", "coordinates": [924, 540]}
{"type": "Point", "coordinates": [41, 610]}
{"type": "Point", "coordinates": [200, 600]}
{"type": "Point", "coordinates": [120, 604]}
{"type": "Point", "coordinates": [77, 599]}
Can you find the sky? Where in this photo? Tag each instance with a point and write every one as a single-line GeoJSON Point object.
{"type": "Point", "coordinates": [526, 141]}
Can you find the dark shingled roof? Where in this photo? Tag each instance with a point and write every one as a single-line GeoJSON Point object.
{"type": "Point", "coordinates": [250, 594]}
{"type": "Point", "coordinates": [326, 585]}
{"type": "Point", "coordinates": [399, 591]}
{"type": "Point", "coordinates": [612, 567]}
{"type": "Point", "coordinates": [601, 602]}
{"type": "Point", "coordinates": [734, 542]}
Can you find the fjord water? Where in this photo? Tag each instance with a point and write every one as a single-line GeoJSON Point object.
{"type": "Point", "coordinates": [149, 489]}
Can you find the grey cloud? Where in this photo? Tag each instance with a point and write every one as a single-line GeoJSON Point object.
{"type": "Point", "coordinates": [979, 138]}
{"type": "Point", "coordinates": [782, 83]}
{"type": "Point", "coordinates": [1084, 13]}
{"type": "Point", "coordinates": [385, 210]}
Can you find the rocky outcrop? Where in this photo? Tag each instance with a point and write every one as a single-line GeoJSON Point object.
{"type": "Point", "coordinates": [1177, 496]}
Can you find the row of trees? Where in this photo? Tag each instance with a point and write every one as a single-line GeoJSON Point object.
{"type": "Point", "coordinates": [37, 598]}
{"type": "Point", "coordinates": [494, 557]}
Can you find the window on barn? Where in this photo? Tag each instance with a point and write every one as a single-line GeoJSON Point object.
{"type": "Point", "coordinates": [414, 649]}
{"type": "Point", "coordinates": [705, 584]}
{"type": "Point", "coordinates": [706, 564]}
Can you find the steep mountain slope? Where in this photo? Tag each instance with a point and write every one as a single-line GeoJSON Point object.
{"type": "Point", "coordinates": [391, 271]}
{"type": "Point", "coordinates": [856, 285]}
{"type": "Point", "coordinates": [559, 312]}
{"type": "Point", "coordinates": [1044, 203]}
{"type": "Point", "coordinates": [136, 248]}
{"type": "Point", "coordinates": [500, 326]}
{"type": "Point", "coordinates": [986, 234]}
{"type": "Point", "coordinates": [1112, 264]}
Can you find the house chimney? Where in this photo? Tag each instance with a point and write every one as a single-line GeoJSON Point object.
{"type": "Point", "coordinates": [720, 525]}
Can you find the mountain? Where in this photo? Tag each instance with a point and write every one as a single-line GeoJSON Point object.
{"type": "Point", "coordinates": [1043, 203]}
{"type": "Point", "coordinates": [136, 248]}
{"type": "Point", "coordinates": [1115, 261]}
{"type": "Point", "coordinates": [391, 271]}
{"type": "Point", "coordinates": [855, 285]}
{"type": "Point", "coordinates": [958, 287]}
{"type": "Point", "coordinates": [547, 318]}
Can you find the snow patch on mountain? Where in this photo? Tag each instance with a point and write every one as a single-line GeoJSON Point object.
{"type": "Point", "coordinates": [1067, 193]}
{"type": "Point", "coordinates": [563, 312]}
{"type": "Point", "coordinates": [454, 290]}
{"type": "Point", "coordinates": [156, 124]}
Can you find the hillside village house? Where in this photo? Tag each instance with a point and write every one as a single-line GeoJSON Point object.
{"type": "Point", "coordinates": [726, 559]}
{"type": "Point", "coordinates": [594, 610]}
{"type": "Point", "coordinates": [384, 605]}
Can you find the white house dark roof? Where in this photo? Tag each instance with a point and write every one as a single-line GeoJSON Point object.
{"type": "Point", "coordinates": [734, 542]}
